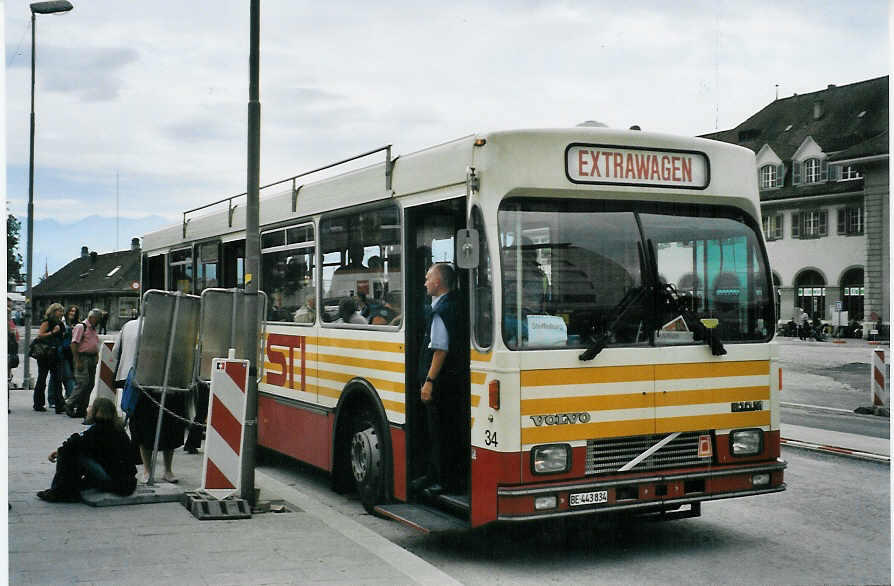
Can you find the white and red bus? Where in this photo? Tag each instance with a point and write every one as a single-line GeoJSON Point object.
{"type": "Point", "coordinates": [615, 294]}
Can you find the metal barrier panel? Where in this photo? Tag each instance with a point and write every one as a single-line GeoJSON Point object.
{"type": "Point", "coordinates": [170, 327]}
{"type": "Point", "coordinates": [228, 315]}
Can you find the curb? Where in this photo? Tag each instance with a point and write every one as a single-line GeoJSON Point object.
{"type": "Point", "coordinates": [793, 443]}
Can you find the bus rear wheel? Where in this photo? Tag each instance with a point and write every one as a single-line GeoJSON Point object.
{"type": "Point", "coordinates": [367, 464]}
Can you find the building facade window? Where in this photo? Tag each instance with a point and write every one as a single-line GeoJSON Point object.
{"type": "Point", "coordinates": [811, 168]}
{"type": "Point", "coordinates": [852, 291]}
{"type": "Point", "coordinates": [773, 226]}
{"type": "Point", "coordinates": [849, 173]}
{"type": "Point", "coordinates": [768, 177]}
{"type": "Point", "coordinates": [850, 220]}
{"type": "Point", "coordinates": [810, 224]}
{"type": "Point", "coordinates": [810, 288]}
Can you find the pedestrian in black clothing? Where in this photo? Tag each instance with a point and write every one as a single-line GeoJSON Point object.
{"type": "Point", "coordinates": [50, 333]}
{"type": "Point", "coordinates": [99, 457]}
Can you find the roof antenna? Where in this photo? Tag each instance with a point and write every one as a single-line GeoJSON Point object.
{"type": "Point", "coordinates": [777, 91]}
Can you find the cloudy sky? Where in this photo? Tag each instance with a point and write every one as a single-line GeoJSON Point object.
{"type": "Point", "coordinates": [156, 93]}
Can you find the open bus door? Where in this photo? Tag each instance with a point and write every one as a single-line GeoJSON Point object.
{"type": "Point", "coordinates": [430, 238]}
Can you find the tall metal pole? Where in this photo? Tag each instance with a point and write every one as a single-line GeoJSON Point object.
{"type": "Point", "coordinates": [29, 305]}
{"type": "Point", "coordinates": [50, 7]}
{"type": "Point", "coordinates": [252, 257]}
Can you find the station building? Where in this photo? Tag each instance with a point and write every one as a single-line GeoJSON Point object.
{"type": "Point", "coordinates": [110, 282]}
{"type": "Point", "coordinates": [823, 175]}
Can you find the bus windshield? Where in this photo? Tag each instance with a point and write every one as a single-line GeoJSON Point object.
{"type": "Point", "coordinates": [576, 270]}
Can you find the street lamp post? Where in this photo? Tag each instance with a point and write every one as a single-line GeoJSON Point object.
{"type": "Point", "coordinates": [51, 7]}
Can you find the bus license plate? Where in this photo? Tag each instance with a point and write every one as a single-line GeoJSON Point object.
{"type": "Point", "coordinates": [589, 498]}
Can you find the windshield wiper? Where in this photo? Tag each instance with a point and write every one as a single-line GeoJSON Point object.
{"type": "Point", "coordinates": [672, 297]}
{"type": "Point", "coordinates": [598, 343]}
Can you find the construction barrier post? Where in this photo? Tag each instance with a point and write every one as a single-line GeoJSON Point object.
{"type": "Point", "coordinates": [879, 380]}
{"type": "Point", "coordinates": [104, 383]}
{"type": "Point", "coordinates": [222, 467]}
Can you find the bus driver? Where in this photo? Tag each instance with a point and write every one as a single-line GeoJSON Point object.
{"type": "Point", "coordinates": [440, 388]}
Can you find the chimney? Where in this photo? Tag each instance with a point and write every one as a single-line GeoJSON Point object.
{"type": "Point", "coordinates": [93, 256]}
{"type": "Point", "coordinates": [818, 109]}
{"type": "Point", "coordinates": [831, 86]}
{"type": "Point", "coordinates": [134, 243]}
{"type": "Point", "coordinates": [84, 252]}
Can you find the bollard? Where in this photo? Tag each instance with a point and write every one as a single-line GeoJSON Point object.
{"type": "Point", "coordinates": [879, 381]}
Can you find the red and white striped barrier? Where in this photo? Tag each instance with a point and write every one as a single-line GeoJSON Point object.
{"type": "Point", "coordinates": [104, 383]}
{"type": "Point", "coordinates": [879, 380]}
{"type": "Point", "coordinates": [222, 468]}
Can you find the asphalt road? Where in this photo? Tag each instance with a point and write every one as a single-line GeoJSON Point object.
{"type": "Point", "coordinates": [826, 528]}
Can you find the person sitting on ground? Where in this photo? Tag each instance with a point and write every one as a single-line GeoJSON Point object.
{"type": "Point", "coordinates": [99, 457]}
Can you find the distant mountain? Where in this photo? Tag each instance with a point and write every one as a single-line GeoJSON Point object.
{"type": "Point", "coordinates": [56, 244]}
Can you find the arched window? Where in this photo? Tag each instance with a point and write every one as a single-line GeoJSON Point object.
{"type": "Point", "coordinates": [810, 289]}
{"type": "Point", "coordinates": [852, 293]}
{"type": "Point", "coordinates": [811, 170]}
{"type": "Point", "coordinates": [768, 176]}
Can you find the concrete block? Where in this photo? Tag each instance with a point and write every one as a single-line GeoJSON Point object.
{"type": "Point", "coordinates": [205, 507]}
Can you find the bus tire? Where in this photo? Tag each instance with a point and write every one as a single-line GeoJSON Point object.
{"type": "Point", "coordinates": [367, 456]}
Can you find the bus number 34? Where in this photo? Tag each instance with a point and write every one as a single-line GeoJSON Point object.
{"type": "Point", "coordinates": [490, 438]}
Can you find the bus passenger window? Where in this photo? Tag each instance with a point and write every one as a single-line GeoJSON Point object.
{"type": "Point", "coordinates": [180, 270]}
{"type": "Point", "coordinates": [361, 266]}
{"type": "Point", "coordinates": [206, 264]}
{"type": "Point", "coordinates": [288, 274]}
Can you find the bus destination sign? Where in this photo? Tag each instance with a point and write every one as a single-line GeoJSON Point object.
{"type": "Point", "coordinates": [614, 165]}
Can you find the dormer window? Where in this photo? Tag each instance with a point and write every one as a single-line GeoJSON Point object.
{"type": "Point", "coordinates": [811, 170]}
{"type": "Point", "coordinates": [769, 177]}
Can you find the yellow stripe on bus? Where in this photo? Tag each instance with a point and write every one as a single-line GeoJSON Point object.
{"type": "Point", "coordinates": [591, 403]}
{"type": "Point", "coordinates": [711, 369]}
{"type": "Point", "coordinates": [699, 397]}
{"type": "Point", "coordinates": [476, 356]}
{"type": "Point", "coordinates": [362, 344]}
{"type": "Point", "coordinates": [604, 429]}
{"type": "Point", "coordinates": [477, 378]}
{"type": "Point", "coordinates": [343, 377]}
{"type": "Point", "coordinates": [640, 400]}
{"type": "Point", "coordinates": [579, 376]}
{"type": "Point", "coordinates": [645, 372]}
{"type": "Point", "coordinates": [361, 362]}
{"type": "Point", "coordinates": [475, 399]}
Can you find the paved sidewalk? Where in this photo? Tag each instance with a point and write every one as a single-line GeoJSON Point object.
{"type": "Point", "coordinates": [844, 442]}
{"type": "Point", "coordinates": [163, 543]}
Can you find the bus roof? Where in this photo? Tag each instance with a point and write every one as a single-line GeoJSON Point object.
{"type": "Point", "coordinates": [532, 160]}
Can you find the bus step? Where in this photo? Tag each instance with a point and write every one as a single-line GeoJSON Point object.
{"type": "Point", "coordinates": [422, 517]}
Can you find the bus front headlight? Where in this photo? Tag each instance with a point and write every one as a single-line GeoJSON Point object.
{"type": "Point", "coordinates": [746, 442]}
{"type": "Point", "coordinates": [551, 458]}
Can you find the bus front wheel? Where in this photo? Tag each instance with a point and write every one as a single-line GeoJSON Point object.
{"type": "Point", "coordinates": [367, 464]}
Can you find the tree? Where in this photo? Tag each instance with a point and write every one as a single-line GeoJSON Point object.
{"type": "Point", "coordinates": [13, 258]}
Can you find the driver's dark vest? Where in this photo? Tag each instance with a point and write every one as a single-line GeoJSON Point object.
{"type": "Point", "coordinates": [446, 308]}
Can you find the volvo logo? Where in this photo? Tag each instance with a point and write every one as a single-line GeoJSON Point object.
{"type": "Point", "coordinates": [560, 418]}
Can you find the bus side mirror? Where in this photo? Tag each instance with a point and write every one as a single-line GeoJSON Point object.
{"type": "Point", "coordinates": [467, 248]}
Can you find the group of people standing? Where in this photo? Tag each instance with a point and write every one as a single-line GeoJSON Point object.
{"type": "Point", "coordinates": [104, 455]}
{"type": "Point", "coordinates": [72, 362]}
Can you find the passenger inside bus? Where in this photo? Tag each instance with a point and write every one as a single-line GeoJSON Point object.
{"type": "Point", "coordinates": [307, 312]}
{"type": "Point", "coordinates": [388, 313]}
{"type": "Point", "coordinates": [348, 312]}
{"type": "Point", "coordinates": [352, 278]}
{"type": "Point", "coordinates": [533, 283]}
